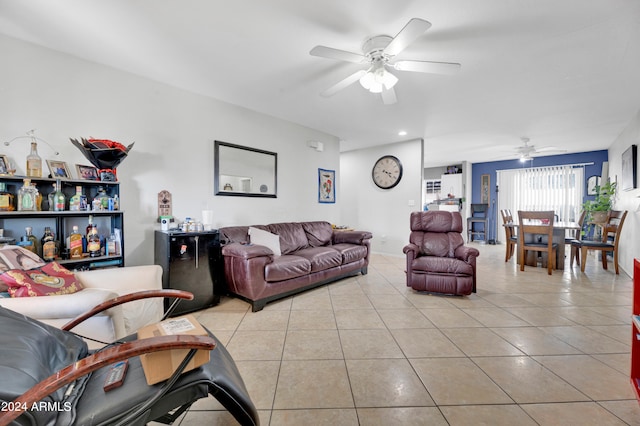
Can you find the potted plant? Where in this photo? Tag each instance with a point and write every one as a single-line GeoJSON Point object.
{"type": "Point", "coordinates": [598, 208]}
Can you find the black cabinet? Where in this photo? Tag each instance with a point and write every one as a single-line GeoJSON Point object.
{"type": "Point", "coordinates": [191, 261]}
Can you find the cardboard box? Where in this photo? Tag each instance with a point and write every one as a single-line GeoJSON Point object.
{"type": "Point", "coordinates": [159, 366]}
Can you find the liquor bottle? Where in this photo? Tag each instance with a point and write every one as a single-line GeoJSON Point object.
{"type": "Point", "coordinates": [59, 198]}
{"type": "Point", "coordinates": [48, 245]}
{"type": "Point", "coordinates": [37, 248]}
{"type": "Point", "coordinates": [78, 201]}
{"type": "Point", "coordinates": [51, 198]}
{"type": "Point", "coordinates": [103, 197]}
{"type": "Point", "coordinates": [116, 202]}
{"type": "Point", "coordinates": [38, 197]}
{"type": "Point", "coordinates": [75, 243]}
{"type": "Point", "coordinates": [34, 162]}
{"type": "Point", "coordinates": [89, 226]}
{"type": "Point", "coordinates": [27, 196]}
{"type": "Point", "coordinates": [7, 199]}
{"type": "Point", "coordinates": [93, 242]}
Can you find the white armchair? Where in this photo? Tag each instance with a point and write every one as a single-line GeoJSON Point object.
{"type": "Point", "coordinates": [99, 286]}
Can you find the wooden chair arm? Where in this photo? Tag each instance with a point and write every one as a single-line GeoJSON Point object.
{"type": "Point", "coordinates": [125, 299]}
{"type": "Point", "coordinates": [101, 359]}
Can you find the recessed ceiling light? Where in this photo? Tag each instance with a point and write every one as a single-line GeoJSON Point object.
{"type": "Point", "coordinates": [402, 133]}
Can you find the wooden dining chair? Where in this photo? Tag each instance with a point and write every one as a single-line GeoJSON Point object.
{"type": "Point", "coordinates": [610, 239]}
{"type": "Point", "coordinates": [535, 233]}
{"type": "Point", "coordinates": [510, 233]}
{"type": "Point", "coordinates": [574, 240]}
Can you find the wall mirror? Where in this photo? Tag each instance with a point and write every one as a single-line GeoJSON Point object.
{"type": "Point", "coordinates": [244, 172]}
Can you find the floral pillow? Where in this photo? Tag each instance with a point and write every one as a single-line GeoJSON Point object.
{"type": "Point", "coordinates": [50, 279]}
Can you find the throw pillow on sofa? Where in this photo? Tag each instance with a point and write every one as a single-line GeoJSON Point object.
{"type": "Point", "coordinates": [15, 257]}
{"type": "Point", "coordinates": [50, 279]}
{"type": "Point", "coordinates": [264, 238]}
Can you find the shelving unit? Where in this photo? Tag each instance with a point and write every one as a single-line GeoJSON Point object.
{"type": "Point", "coordinates": [62, 222]}
{"type": "Point", "coordinates": [635, 331]}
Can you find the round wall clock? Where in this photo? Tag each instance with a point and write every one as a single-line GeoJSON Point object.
{"type": "Point", "coordinates": [387, 172]}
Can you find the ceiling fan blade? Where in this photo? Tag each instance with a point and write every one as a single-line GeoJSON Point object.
{"type": "Point", "coordinates": [389, 96]}
{"type": "Point", "coordinates": [337, 54]}
{"type": "Point", "coordinates": [550, 149]}
{"type": "Point", "coordinates": [343, 84]}
{"type": "Point", "coordinates": [428, 67]}
{"type": "Point", "coordinates": [414, 29]}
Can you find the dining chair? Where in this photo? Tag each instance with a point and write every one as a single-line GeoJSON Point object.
{"type": "Point", "coordinates": [610, 239]}
{"type": "Point", "coordinates": [535, 233]}
{"type": "Point", "coordinates": [479, 216]}
{"type": "Point", "coordinates": [509, 231]}
{"type": "Point", "coordinates": [574, 240]}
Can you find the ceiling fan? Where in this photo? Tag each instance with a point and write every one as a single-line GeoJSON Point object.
{"type": "Point", "coordinates": [378, 53]}
{"type": "Point", "coordinates": [527, 152]}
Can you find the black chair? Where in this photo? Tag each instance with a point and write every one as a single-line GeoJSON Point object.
{"type": "Point", "coordinates": [48, 376]}
{"type": "Point", "coordinates": [479, 216]}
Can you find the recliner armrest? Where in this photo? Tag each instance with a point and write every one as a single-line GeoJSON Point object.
{"type": "Point", "coordinates": [465, 253]}
{"type": "Point", "coordinates": [411, 250]}
{"type": "Point", "coordinates": [246, 251]}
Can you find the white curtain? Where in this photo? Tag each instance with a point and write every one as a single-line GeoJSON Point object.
{"type": "Point", "coordinates": [557, 188]}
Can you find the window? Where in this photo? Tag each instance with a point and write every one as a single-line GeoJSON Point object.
{"type": "Point", "coordinates": [557, 188]}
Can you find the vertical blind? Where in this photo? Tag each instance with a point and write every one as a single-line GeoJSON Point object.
{"type": "Point", "coordinates": [557, 188]}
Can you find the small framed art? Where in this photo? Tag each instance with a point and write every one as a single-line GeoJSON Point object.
{"type": "Point", "coordinates": [87, 172]}
{"type": "Point", "coordinates": [4, 165]}
{"type": "Point", "coordinates": [630, 168]}
{"type": "Point", "coordinates": [326, 186]}
{"type": "Point", "coordinates": [58, 169]}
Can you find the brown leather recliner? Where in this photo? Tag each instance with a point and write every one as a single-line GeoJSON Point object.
{"type": "Point", "coordinates": [437, 259]}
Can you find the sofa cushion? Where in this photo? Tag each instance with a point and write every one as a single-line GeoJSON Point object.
{"type": "Point", "coordinates": [443, 265]}
{"type": "Point", "coordinates": [321, 258]}
{"type": "Point", "coordinates": [292, 236]}
{"type": "Point", "coordinates": [264, 238]}
{"type": "Point", "coordinates": [350, 252]}
{"type": "Point", "coordinates": [318, 233]}
{"type": "Point", "coordinates": [286, 267]}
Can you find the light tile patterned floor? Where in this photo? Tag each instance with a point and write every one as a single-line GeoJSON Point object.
{"type": "Point", "coordinates": [527, 349]}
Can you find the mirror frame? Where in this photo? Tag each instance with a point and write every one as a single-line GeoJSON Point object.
{"type": "Point", "coordinates": [216, 174]}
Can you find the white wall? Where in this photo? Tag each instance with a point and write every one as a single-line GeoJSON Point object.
{"type": "Point", "coordinates": [173, 130]}
{"type": "Point", "coordinates": [627, 200]}
{"type": "Point", "coordinates": [383, 212]}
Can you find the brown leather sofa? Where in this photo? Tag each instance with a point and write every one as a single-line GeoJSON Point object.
{"type": "Point", "coordinates": [313, 254]}
{"type": "Point", "coordinates": [437, 259]}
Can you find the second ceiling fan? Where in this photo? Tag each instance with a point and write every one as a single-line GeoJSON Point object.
{"type": "Point", "coordinates": [378, 53]}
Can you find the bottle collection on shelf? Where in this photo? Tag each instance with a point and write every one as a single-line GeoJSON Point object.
{"type": "Point", "coordinates": [30, 199]}
{"type": "Point", "coordinates": [77, 246]}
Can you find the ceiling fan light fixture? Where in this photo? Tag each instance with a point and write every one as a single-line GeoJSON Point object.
{"type": "Point", "coordinates": [378, 78]}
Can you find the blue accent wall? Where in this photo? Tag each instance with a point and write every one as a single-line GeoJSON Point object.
{"type": "Point", "coordinates": [490, 168]}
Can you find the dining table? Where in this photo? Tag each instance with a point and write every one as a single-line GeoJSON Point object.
{"type": "Point", "coordinates": [559, 233]}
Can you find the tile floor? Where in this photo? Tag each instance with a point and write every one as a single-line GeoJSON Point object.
{"type": "Point", "coordinates": [527, 349]}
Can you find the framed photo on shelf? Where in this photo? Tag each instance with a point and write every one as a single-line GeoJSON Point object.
{"type": "Point", "coordinates": [326, 186]}
{"type": "Point", "coordinates": [58, 169]}
{"type": "Point", "coordinates": [87, 172]}
{"type": "Point", "coordinates": [4, 165]}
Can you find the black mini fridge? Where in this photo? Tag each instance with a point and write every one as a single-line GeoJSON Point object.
{"type": "Point", "coordinates": [191, 261]}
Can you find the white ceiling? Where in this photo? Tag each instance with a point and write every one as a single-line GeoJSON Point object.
{"type": "Point", "coordinates": [565, 73]}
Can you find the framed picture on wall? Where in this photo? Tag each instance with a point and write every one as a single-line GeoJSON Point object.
{"type": "Point", "coordinates": [326, 186]}
{"type": "Point", "coordinates": [629, 168]}
{"type": "Point", "coordinates": [485, 185]}
{"type": "Point", "coordinates": [592, 185]}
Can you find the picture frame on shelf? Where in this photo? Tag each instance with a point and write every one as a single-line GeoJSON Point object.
{"type": "Point", "coordinates": [87, 172]}
{"type": "Point", "coordinates": [59, 169]}
{"type": "Point", "coordinates": [5, 165]}
{"type": "Point", "coordinates": [326, 186]}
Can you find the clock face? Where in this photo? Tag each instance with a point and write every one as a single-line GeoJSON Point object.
{"type": "Point", "coordinates": [387, 172]}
